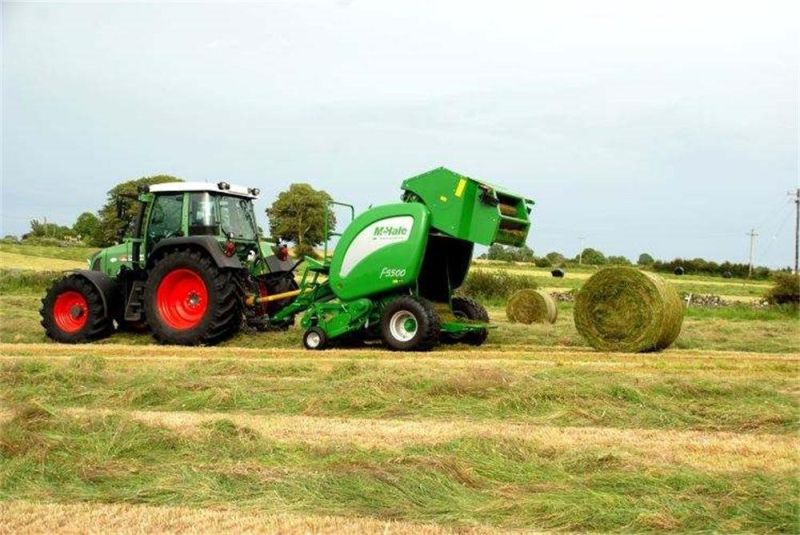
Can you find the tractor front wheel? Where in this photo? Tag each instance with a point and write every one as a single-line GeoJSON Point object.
{"type": "Point", "coordinates": [73, 312]}
{"type": "Point", "coordinates": [410, 324]}
{"type": "Point", "coordinates": [190, 301]}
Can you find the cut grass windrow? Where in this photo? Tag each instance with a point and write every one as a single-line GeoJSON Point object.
{"type": "Point", "coordinates": [563, 395]}
{"type": "Point", "coordinates": [495, 481]}
{"type": "Point", "coordinates": [711, 451]}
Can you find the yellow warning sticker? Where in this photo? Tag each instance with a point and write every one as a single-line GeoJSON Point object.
{"type": "Point", "coordinates": [460, 188]}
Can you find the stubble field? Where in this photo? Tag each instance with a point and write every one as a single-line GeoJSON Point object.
{"type": "Point", "coordinates": [533, 431]}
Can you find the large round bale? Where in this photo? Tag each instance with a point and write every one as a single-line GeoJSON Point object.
{"type": "Point", "coordinates": [531, 306]}
{"type": "Point", "coordinates": [624, 309]}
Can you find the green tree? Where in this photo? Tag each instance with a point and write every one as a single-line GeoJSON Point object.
{"type": "Point", "coordinates": [123, 195]}
{"type": "Point", "coordinates": [645, 260]}
{"type": "Point", "coordinates": [298, 215]}
{"type": "Point", "coordinates": [87, 227]}
{"type": "Point", "coordinates": [498, 252]}
{"type": "Point", "coordinates": [786, 289]}
{"type": "Point", "coordinates": [593, 257]}
{"type": "Point", "coordinates": [556, 259]}
{"type": "Point", "coordinates": [40, 229]}
{"type": "Point", "coordinates": [618, 261]}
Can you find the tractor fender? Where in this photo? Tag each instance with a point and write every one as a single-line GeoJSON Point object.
{"type": "Point", "coordinates": [205, 243]}
{"type": "Point", "coordinates": [103, 283]}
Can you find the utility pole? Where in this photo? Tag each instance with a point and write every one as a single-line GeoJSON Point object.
{"type": "Point", "coordinates": [796, 194]}
{"type": "Point", "coordinates": [580, 251]}
{"type": "Point", "coordinates": [753, 236]}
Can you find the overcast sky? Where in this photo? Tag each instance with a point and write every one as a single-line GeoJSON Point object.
{"type": "Point", "coordinates": [666, 127]}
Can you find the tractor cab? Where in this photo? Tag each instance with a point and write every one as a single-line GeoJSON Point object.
{"type": "Point", "coordinates": [222, 212]}
{"type": "Point", "coordinates": [186, 209]}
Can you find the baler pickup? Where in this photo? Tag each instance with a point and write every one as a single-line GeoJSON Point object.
{"type": "Point", "coordinates": [470, 209]}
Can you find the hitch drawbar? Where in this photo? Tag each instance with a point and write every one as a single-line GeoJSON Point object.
{"type": "Point", "coordinates": [253, 300]}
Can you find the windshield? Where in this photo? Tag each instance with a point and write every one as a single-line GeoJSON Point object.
{"type": "Point", "coordinates": [214, 214]}
{"type": "Point", "coordinates": [235, 216]}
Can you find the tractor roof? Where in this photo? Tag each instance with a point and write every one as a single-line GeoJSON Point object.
{"type": "Point", "coordinates": [219, 187]}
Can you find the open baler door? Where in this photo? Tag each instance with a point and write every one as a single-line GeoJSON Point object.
{"type": "Point", "coordinates": [464, 211]}
{"type": "Point", "coordinates": [470, 209]}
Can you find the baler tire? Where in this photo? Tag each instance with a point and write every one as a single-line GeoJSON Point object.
{"type": "Point", "coordinates": [426, 335]}
{"type": "Point", "coordinates": [470, 309]}
{"type": "Point", "coordinates": [220, 317]}
{"type": "Point", "coordinates": [75, 293]}
{"type": "Point", "coordinates": [315, 339]}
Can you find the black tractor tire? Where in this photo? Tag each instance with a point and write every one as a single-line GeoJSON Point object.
{"type": "Point", "coordinates": [188, 300]}
{"type": "Point", "coordinates": [72, 312]}
{"type": "Point", "coordinates": [466, 308]}
{"type": "Point", "coordinates": [425, 333]}
{"type": "Point", "coordinates": [315, 339]}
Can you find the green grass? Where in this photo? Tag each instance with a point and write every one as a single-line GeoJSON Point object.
{"type": "Point", "coordinates": [574, 278]}
{"type": "Point", "coordinates": [736, 329]}
{"type": "Point", "coordinates": [78, 253]}
{"type": "Point", "coordinates": [559, 395]}
{"type": "Point", "coordinates": [502, 483]}
{"type": "Point", "coordinates": [24, 281]}
{"type": "Point", "coordinates": [76, 438]}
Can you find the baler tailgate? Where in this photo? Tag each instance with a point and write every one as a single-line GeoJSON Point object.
{"type": "Point", "coordinates": [469, 209]}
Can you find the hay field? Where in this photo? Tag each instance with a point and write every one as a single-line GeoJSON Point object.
{"type": "Point", "coordinates": [37, 263]}
{"type": "Point", "coordinates": [534, 431]}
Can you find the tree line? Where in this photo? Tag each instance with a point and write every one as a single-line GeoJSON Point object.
{"type": "Point", "coordinates": [297, 215]}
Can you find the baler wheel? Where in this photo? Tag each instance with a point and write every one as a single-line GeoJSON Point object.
{"type": "Point", "coordinates": [190, 301]}
{"type": "Point", "coordinates": [469, 309]}
{"type": "Point", "coordinates": [73, 312]}
{"type": "Point", "coordinates": [315, 339]}
{"type": "Point", "coordinates": [410, 324]}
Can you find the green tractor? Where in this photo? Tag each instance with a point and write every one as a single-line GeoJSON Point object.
{"type": "Point", "coordinates": [184, 273]}
{"type": "Point", "coordinates": [195, 270]}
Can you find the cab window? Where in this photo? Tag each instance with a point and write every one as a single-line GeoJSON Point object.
{"type": "Point", "coordinates": [165, 217]}
{"type": "Point", "coordinates": [203, 218]}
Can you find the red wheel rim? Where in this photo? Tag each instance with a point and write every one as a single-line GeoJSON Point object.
{"type": "Point", "coordinates": [182, 299]}
{"type": "Point", "coordinates": [70, 311]}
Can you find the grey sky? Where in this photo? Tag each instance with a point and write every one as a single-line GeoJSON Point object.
{"type": "Point", "coordinates": [668, 127]}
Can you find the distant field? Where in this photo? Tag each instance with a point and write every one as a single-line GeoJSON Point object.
{"type": "Point", "coordinates": [732, 289]}
{"type": "Point", "coordinates": [533, 431]}
{"type": "Point", "coordinates": [79, 254]}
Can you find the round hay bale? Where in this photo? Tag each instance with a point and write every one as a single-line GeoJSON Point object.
{"type": "Point", "coordinates": [679, 270]}
{"type": "Point", "coordinates": [624, 309]}
{"type": "Point", "coordinates": [531, 306]}
{"type": "Point", "coordinates": [727, 274]}
{"type": "Point", "coordinates": [558, 273]}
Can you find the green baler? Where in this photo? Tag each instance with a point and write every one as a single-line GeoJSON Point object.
{"type": "Point", "coordinates": [396, 266]}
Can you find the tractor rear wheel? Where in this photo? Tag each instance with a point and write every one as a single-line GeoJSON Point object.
{"type": "Point", "coordinates": [190, 301]}
{"type": "Point", "coordinates": [73, 312]}
{"type": "Point", "coordinates": [468, 309]}
{"type": "Point", "coordinates": [410, 324]}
